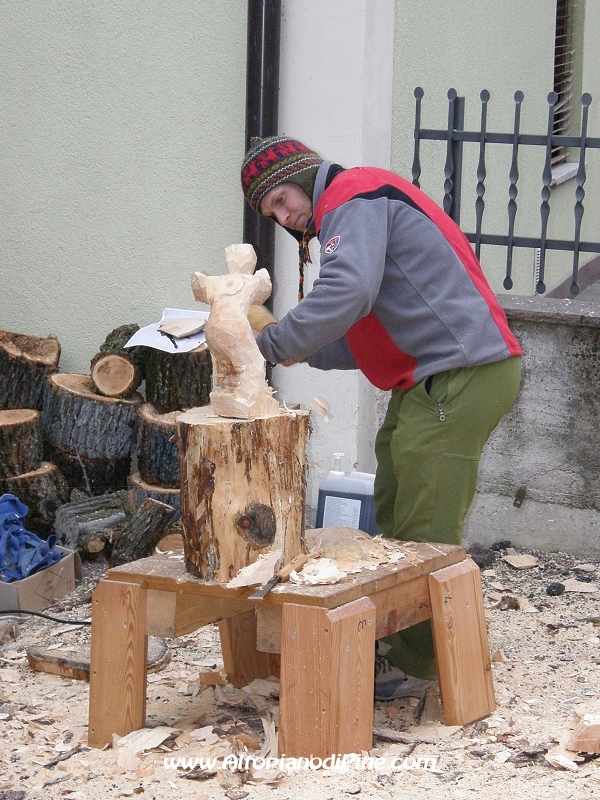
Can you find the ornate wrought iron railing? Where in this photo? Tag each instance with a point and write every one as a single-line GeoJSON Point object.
{"type": "Point", "coordinates": [455, 136]}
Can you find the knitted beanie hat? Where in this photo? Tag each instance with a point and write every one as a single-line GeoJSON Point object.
{"type": "Point", "coordinates": [275, 160]}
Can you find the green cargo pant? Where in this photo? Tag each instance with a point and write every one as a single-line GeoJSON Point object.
{"type": "Point", "coordinates": [428, 452]}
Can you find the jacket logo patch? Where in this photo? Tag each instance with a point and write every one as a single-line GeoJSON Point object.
{"type": "Point", "coordinates": [332, 245]}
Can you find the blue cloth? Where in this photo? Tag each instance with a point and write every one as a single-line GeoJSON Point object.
{"type": "Point", "coordinates": [22, 553]}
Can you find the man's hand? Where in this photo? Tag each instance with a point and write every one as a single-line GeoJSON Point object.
{"type": "Point", "coordinates": [289, 362]}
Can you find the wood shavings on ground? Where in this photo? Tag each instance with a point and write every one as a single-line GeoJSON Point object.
{"type": "Point", "coordinates": [546, 681]}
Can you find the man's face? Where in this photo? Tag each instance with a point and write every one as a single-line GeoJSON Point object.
{"type": "Point", "coordinates": [289, 204]}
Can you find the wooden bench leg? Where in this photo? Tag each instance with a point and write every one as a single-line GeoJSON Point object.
{"type": "Point", "coordinates": [118, 661]}
{"type": "Point", "coordinates": [243, 662]}
{"type": "Point", "coordinates": [327, 674]}
{"type": "Point", "coordinates": [461, 643]}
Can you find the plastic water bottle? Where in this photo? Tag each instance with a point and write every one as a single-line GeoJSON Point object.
{"type": "Point", "coordinates": [346, 500]}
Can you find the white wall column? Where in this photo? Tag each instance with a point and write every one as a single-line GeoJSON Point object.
{"type": "Point", "coordinates": [336, 95]}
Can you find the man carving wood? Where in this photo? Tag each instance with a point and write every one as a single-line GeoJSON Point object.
{"type": "Point", "coordinates": [239, 386]}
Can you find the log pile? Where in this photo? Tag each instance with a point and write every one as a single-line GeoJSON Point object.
{"type": "Point", "coordinates": [62, 431]}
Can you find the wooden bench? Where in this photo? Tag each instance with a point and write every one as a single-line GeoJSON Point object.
{"type": "Point", "coordinates": [325, 634]}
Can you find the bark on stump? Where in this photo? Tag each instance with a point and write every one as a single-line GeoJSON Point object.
{"type": "Point", "coordinates": [178, 380]}
{"type": "Point", "coordinates": [243, 489]}
{"type": "Point", "coordinates": [81, 422]}
{"type": "Point", "coordinates": [117, 371]}
{"type": "Point", "coordinates": [140, 535]}
{"type": "Point", "coordinates": [25, 361]}
{"type": "Point", "coordinates": [158, 447]}
{"type": "Point", "coordinates": [94, 476]}
{"type": "Point", "coordinates": [43, 491]}
{"type": "Point", "coordinates": [20, 442]}
{"type": "Point", "coordinates": [163, 494]}
{"type": "Point", "coordinates": [90, 437]}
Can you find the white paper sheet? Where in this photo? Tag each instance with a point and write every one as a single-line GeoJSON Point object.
{"type": "Point", "coordinates": [150, 336]}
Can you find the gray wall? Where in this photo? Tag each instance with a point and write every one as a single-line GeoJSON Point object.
{"type": "Point", "coordinates": [548, 442]}
{"type": "Point", "coordinates": [122, 132]}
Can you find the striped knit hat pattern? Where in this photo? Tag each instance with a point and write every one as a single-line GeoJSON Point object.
{"type": "Point", "coordinates": [275, 160]}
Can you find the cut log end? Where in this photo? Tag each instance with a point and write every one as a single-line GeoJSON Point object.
{"type": "Point", "coordinates": [113, 375]}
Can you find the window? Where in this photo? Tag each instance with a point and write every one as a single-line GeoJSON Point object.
{"type": "Point", "coordinates": [564, 67]}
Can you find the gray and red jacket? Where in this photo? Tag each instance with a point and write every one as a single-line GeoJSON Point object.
{"type": "Point", "coordinates": [400, 294]}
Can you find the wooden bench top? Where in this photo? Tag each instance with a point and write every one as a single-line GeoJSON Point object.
{"type": "Point", "coordinates": [166, 572]}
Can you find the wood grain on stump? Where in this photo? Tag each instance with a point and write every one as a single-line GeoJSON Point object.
{"type": "Point", "coordinates": [243, 489]}
{"type": "Point", "coordinates": [115, 370]}
{"type": "Point", "coordinates": [158, 447]}
{"type": "Point", "coordinates": [20, 442]}
{"type": "Point", "coordinates": [25, 361]}
{"type": "Point", "coordinates": [43, 491]}
{"type": "Point", "coordinates": [178, 380]}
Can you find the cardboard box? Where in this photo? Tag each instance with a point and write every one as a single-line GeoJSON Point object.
{"type": "Point", "coordinates": [42, 588]}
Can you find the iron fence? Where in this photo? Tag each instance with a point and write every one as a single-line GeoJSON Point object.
{"type": "Point", "coordinates": [455, 136]}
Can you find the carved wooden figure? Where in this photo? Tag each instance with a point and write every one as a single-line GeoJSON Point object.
{"type": "Point", "coordinates": [239, 386]}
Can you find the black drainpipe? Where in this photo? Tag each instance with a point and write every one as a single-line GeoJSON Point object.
{"type": "Point", "coordinates": [262, 101]}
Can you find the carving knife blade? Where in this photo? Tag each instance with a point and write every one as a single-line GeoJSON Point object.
{"type": "Point", "coordinates": [283, 574]}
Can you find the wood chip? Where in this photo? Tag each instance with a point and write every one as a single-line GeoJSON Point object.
{"type": "Point", "coordinates": [560, 760]}
{"type": "Point", "coordinates": [573, 585]}
{"type": "Point", "coordinates": [523, 561]}
{"type": "Point", "coordinates": [180, 327]}
{"type": "Point", "coordinates": [257, 573]}
{"type": "Point", "coordinates": [145, 738]}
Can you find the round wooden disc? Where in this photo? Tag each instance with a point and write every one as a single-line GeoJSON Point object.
{"type": "Point", "coordinates": [77, 664]}
{"type": "Point", "coordinates": [113, 375]}
{"type": "Point", "coordinates": [17, 416]}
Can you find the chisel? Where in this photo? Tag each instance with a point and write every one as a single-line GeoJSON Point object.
{"type": "Point", "coordinates": [283, 574]}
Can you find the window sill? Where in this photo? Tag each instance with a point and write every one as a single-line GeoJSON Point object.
{"type": "Point", "coordinates": [563, 172]}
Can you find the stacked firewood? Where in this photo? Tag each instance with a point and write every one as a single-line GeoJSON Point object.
{"type": "Point", "coordinates": [25, 364]}
{"type": "Point", "coordinates": [62, 431]}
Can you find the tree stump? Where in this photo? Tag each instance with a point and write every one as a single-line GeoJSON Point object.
{"type": "Point", "coordinates": [158, 447]}
{"type": "Point", "coordinates": [163, 494]}
{"type": "Point", "coordinates": [175, 381]}
{"type": "Point", "coordinates": [83, 423]}
{"type": "Point", "coordinates": [141, 533]}
{"type": "Point", "coordinates": [20, 442]}
{"type": "Point", "coordinates": [25, 361]}
{"type": "Point", "coordinates": [116, 371]}
{"type": "Point", "coordinates": [43, 491]}
{"type": "Point", "coordinates": [243, 489]}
